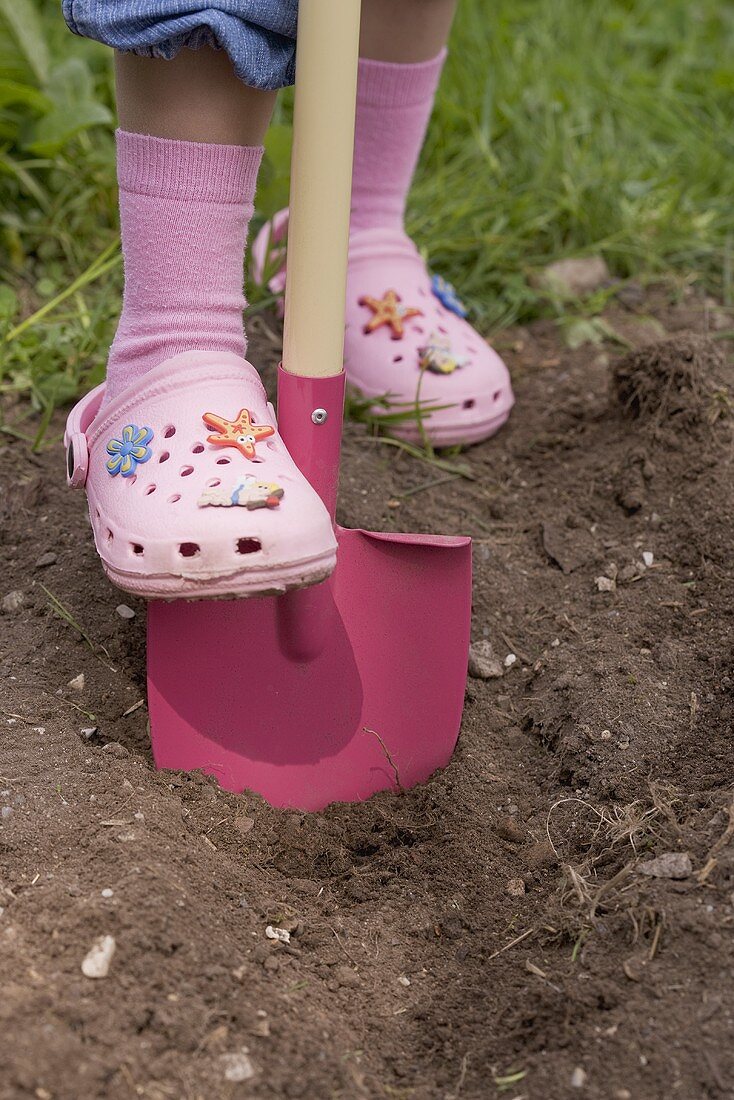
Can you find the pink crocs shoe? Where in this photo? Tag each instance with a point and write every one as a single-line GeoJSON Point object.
{"type": "Point", "coordinates": [407, 342]}
{"type": "Point", "coordinates": [192, 493]}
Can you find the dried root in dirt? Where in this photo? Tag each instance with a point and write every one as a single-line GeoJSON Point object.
{"type": "Point", "coordinates": [602, 846]}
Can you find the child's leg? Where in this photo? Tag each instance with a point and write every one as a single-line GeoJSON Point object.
{"type": "Point", "coordinates": [406, 332]}
{"type": "Point", "coordinates": [407, 31]}
{"type": "Point", "coordinates": [402, 49]}
{"type": "Point", "coordinates": [196, 96]}
{"type": "Point", "coordinates": [188, 156]}
{"type": "Point", "coordinates": [191, 491]}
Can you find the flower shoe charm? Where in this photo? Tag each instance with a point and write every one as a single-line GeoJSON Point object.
{"type": "Point", "coordinates": [388, 311]}
{"type": "Point", "coordinates": [240, 433]}
{"type": "Point", "coordinates": [447, 296]}
{"type": "Point", "coordinates": [437, 357]}
{"type": "Point", "coordinates": [247, 493]}
{"type": "Point", "coordinates": [130, 450]}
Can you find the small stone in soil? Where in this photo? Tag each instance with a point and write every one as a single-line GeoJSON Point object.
{"type": "Point", "coordinates": [510, 660]}
{"type": "Point", "coordinates": [88, 732]}
{"type": "Point", "coordinates": [237, 1066]}
{"type": "Point", "coordinates": [77, 684]}
{"type": "Point", "coordinates": [45, 560]}
{"type": "Point", "coordinates": [96, 963]}
{"type": "Point", "coordinates": [483, 663]}
{"type": "Point", "coordinates": [574, 277]}
{"type": "Point", "coordinates": [605, 584]}
{"type": "Point", "coordinates": [515, 887]}
{"type": "Point", "coordinates": [107, 893]}
{"type": "Point", "coordinates": [13, 602]}
{"type": "Point", "coordinates": [676, 865]}
{"type": "Point", "coordinates": [578, 1078]}
{"type": "Point", "coordinates": [124, 611]}
{"type": "Point", "coordinates": [281, 934]}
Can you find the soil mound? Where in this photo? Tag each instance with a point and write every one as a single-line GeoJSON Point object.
{"type": "Point", "coordinates": [676, 381]}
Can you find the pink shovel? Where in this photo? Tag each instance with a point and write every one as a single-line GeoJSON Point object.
{"type": "Point", "coordinates": [357, 684]}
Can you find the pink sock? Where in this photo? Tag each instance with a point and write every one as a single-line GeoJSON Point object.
{"type": "Point", "coordinates": [393, 107]}
{"type": "Point", "coordinates": [184, 210]}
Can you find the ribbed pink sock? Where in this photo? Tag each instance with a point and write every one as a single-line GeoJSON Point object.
{"type": "Point", "coordinates": [393, 107]}
{"type": "Point", "coordinates": [184, 210]}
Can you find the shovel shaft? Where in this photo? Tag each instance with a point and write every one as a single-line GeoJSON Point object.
{"type": "Point", "coordinates": [310, 421]}
{"type": "Point", "coordinates": [321, 183]}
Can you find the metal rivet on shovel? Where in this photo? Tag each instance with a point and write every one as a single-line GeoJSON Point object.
{"type": "Point", "coordinates": [319, 416]}
{"type": "Point", "coordinates": [357, 684]}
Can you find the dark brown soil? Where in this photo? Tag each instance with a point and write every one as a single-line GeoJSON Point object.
{"type": "Point", "coordinates": [491, 933]}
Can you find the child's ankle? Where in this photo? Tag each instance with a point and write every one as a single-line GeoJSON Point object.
{"type": "Point", "coordinates": [185, 208]}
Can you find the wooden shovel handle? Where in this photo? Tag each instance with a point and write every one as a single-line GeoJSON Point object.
{"type": "Point", "coordinates": [321, 185]}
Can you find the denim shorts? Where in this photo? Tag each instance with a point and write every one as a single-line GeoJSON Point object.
{"type": "Point", "coordinates": [259, 35]}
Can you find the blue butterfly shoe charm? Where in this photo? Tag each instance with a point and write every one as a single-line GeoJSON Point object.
{"type": "Point", "coordinates": [447, 296]}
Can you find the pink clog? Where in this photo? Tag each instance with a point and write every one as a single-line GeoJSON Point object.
{"type": "Point", "coordinates": [407, 340]}
{"type": "Point", "coordinates": [192, 493]}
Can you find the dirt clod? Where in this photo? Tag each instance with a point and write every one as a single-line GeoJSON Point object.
{"type": "Point", "coordinates": [672, 382]}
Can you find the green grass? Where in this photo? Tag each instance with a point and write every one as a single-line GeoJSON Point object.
{"type": "Point", "coordinates": [583, 126]}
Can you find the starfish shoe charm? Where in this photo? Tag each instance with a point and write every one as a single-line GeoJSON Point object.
{"type": "Point", "coordinates": [388, 311]}
{"type": "Point", "coordinates": [240, 433]}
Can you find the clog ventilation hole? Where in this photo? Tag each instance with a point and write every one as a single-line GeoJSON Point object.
{"type": "Point", "coordinates": [244, 545]}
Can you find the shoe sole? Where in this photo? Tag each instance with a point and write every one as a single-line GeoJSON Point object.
{"type": "Point", "coordinates": [243, 584]}
{"type": "Point", "coordinates": [451, 435]}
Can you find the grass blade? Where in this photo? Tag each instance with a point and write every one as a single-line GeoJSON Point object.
{"type": "Point", "coordinates": [25, 25]}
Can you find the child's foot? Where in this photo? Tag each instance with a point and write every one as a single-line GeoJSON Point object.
{"type": "Point", "coordinates": [407, 339]}
{"type": "Point", "coordinates": [407, 343]}
{"type": "Point", "coordinates": [191, 491]}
